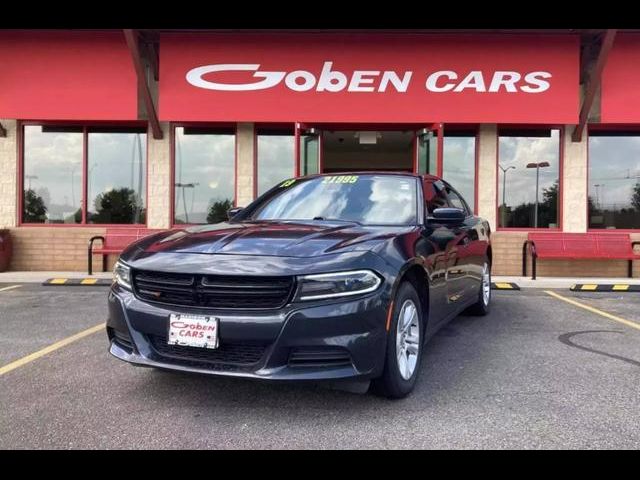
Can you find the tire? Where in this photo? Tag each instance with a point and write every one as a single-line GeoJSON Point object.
{"type": "Point", "coordinates": [394, 383]}
{"type": "Point", "coordinates": [483, 305]}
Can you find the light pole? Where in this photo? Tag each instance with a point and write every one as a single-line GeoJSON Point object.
{"type": "Point", "coordinates": [31, 177]}
{"type": "Point", "coordinates": [598, 194]}
{"type": "Point", "coordinates": [184, 200]}
{"type": "Point", "coordinates": [537, 166]}
{"type": "Point", "coordinates": [504, 190]}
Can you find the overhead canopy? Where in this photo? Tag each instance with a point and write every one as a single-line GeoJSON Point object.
{"type": "Point", "coordinates": [390, 78]}
{"type": "Point", "coordinates": [621, 81]}
{"type": "Point", "coordinates": [53, 75]}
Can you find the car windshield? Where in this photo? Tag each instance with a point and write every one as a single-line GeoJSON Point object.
{"type": "Point", "coordinates": [366, 199]}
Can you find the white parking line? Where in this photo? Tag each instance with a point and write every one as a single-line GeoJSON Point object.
{"type": "Point", "coordinates": [9, 288]}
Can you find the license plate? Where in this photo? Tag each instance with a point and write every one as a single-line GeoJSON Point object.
{"type": "Point", "coordinates": [193, 331]}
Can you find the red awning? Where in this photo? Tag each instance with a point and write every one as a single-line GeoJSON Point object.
{"type": "Point", "coordinates": [66, 75]}
{"type": "Point", "coordinates": [620, 80]}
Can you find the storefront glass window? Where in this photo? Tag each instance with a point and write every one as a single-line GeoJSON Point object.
{"type": "Point", "coordinates": [204, 187]}
{"type": "Point", "coordinates": [524, 155]}
{"type": "Point", "coordinates": [614, 180]}
{"type": "Point", "coordinates": [116, 175]}
{"type": "Point", "coordinates": [276, 158]}
{"type": "Point", "coordinates": [459, 163]}
{"type": "Point", "coordinates": [52, 181]}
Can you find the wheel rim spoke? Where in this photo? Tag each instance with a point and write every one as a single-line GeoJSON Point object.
{"type": "Point", "coordinates": [486, 284]}
{"type": "Point", "coordinates": [408, 339]}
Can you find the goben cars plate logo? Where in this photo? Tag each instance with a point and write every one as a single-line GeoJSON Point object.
{"type": "Point", "coordinates": [328, 79]}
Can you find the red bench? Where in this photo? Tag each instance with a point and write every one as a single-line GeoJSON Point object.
{"type": "Point", "coordinates": [601, 246]}
{"type": "Point", "coordinates": [115, 240]}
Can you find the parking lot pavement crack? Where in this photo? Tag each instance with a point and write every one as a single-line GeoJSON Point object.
{"type": "Point", "coordinates": [566, 339]}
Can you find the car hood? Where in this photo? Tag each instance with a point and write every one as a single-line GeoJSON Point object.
{"type": "Point", "coordinates": [285, 239]}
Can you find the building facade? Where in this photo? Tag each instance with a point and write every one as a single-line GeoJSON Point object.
{"type": "Point", "coordinates": [161, 129]}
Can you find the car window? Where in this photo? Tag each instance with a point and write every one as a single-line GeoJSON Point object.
{"type": "Point", "coordinates": [435, 195]}
{"type": "Point", "coordinates": [455, 200]}
{"type": "Point", "coordinates": [368, 199]}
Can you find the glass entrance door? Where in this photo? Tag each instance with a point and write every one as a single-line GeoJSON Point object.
{"type": "Point", "coordinates": [308, 142]}
{"type": "Point", "coordinates": [429, 150]}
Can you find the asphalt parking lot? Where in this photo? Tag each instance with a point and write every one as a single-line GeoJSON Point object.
{"type": "Point", "coordinates": [538, 372]}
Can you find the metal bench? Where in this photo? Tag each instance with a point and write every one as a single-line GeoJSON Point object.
{"type": "Point", "coordinates": [578, 246]}
{"type": "Point", "coordinates": [115, 240]}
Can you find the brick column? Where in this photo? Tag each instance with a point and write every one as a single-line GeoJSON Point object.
{"type": "Point", "coordinates": [8, 175]}
{"type": "Point", "coordinates": [159, 179]}
{"type": "Point", "coordinates": [487, 173]}
{"type": "Point", "coordinates": [244, 158]}
{"type": "Point", "coordinates": [574, 183]}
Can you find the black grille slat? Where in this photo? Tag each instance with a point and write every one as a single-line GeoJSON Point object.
{"type": "Point", "coordinates": [229, 354]}
{"type": "Point", "coordinates": [319, 357]}
{"type": "Point", "coordinates": [185, 280]}
{"type": "Point", "coordinates": [213, 291]}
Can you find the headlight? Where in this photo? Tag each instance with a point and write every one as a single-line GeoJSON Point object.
{"type": "Point", "coordinates": [341, 284]}
{"type": "Point", "coordinates": [122, 275]}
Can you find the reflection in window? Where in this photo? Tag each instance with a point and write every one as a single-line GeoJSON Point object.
{"type": "Point", "coordinates": [275, 158]}
{"type": "Point", "coordinates": [117, 175]}
{"type": "Point", "coordinates": [204, 174]}
{"type": "Point", "coordinates": [459, 164]}
{"type": "Point", "coordinates": [522, 156]}
{"type": "Point", "coordinates": [435, 195]}
{"type": "Point", "coordinates": [309, 154]}
{"type": "Point", "coordinates": [368, 199]}
{"type": "Point", "coordinates": [52, 182]}
{"type": "Point", "coordinates": [427, 153]}
{"type": "Point", "coordinates": [614, 180]}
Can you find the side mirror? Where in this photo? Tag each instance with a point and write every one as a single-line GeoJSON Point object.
{"type": "Point", "coordinates": [232, 212]}
{"type": "Point", "coordinates": [448, 216]}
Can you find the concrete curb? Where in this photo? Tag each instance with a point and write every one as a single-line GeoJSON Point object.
{"type": "Point", "coordinates": [504, 286]}
{"type": "Point", "coordinates": [604, 287]}
{"type": "Point", "coordinates": [77, 282]}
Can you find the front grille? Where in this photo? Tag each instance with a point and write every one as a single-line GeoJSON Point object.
{"type": "Point", "coordinates": [213, 291]}
{"type": "Point", "coordinates": [319, 357]}
{"type": "Point", "coordinates": [228, 356]}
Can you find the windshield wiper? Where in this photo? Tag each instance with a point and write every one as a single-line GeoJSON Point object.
{"type": "Point", "coordinates": [325, 219]}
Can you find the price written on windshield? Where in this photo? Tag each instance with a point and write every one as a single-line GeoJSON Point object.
{"type": "Point", "coordinates": [341, 179]}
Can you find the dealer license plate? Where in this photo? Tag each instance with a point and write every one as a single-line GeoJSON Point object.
{"type": "Point", "coordinates": [193, 331]}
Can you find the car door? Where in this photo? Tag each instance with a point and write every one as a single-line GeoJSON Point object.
{"type": "Point", "coordinates": [439, 240]}
{"type": "Point", "coordinates": [462, 277]}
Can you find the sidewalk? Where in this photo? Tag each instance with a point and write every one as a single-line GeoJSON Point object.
{"type": "Point", "coordinates": [39, 277]}
{"type": "Point", "coordinates": [562, 282]}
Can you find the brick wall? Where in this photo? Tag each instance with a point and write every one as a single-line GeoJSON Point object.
{"type": "Point", "coordinates": [8, 172]}
{"type": "Point", "coordinates": [245, 156]}
{"type": "Point", "coordinates": [159, 179]}
{"type": "Point", "coordinates": [507, 260]}
{"type": "Point", "coordinates": [55, 249]}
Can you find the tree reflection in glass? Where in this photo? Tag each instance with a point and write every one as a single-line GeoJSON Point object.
{"type": "Point", "coordinates": [614, 180]}
{"type": "Point", "coordinates": [204, 180]}
{"type": "Point", "coordinates": [517, 191]}
{"type": "Point", "coordinates": [117, 178]}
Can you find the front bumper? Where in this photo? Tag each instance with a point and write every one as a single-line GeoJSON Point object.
{"type": "Point", "coordinates": [325, 340]}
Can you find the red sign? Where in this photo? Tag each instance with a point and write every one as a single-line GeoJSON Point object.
{"type": "Point", "coordinates": [620, 92]}
{"type": "Point", "coordinates": [400, 78]}
{"type": "Point", "coordinates": [66, 76]}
